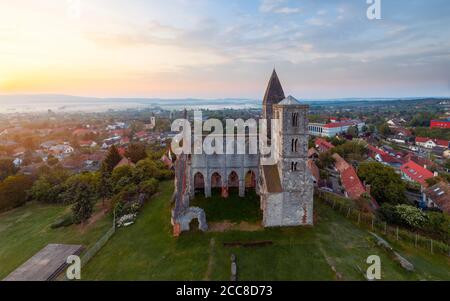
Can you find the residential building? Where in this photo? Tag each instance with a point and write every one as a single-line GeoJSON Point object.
{"type": "Point", "coordinates": [323, 145]}
{"type": "Point", "coordinates": [411, 171]}
{"type": "Point", "coordinates": [440, 124]}
{"type": "Point", "coordinates": [438, 196]}
{"type": "Point", "coordinates": [432, 142]}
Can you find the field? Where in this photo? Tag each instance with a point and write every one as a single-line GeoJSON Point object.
{"type": "Point", "coordinates": [26, 230]}
{"type": "Point", "coordinates": [334, 249]}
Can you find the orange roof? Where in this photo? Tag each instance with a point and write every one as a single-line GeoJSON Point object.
{"type": "Point", "coordinates": [441, 142]}
{"type": "Point", "coordinates": [324, 143]}
{"type": "Point", "coordinates": [340, 163]}
{"type": "Point", "coordinates": [352, 184]}
{"type": "Point", "coordinates": [416, 172]}
{"type": "Point", "coordinates": [314, 169]}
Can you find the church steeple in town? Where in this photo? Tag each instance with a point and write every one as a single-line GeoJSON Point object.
{"type": "Point", "coordinates": [274, 94]}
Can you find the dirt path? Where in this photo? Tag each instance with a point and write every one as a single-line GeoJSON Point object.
{"type": "Point", "coordinates": [101, 212]}
{"type": "Point", "coordinates": [230, 226]}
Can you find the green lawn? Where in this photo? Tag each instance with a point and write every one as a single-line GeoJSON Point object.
{"type": "Point", "coordinates": [26, 230]}
{"type": "Point", "coordinates": [331, 250]}
{"type": "Point", "coordinates": [233, 209]}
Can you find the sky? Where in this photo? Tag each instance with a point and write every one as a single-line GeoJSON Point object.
{"type": "Point", "coordinates": [224, 48]}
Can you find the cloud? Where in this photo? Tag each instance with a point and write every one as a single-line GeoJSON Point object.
{"type": "Point", "coordinates": [277, 7]}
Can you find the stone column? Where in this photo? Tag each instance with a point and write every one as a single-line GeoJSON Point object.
{"type": "Point", "coordinates": [207, 188]}
{"type": "Point", "coordinates": [241, 188]}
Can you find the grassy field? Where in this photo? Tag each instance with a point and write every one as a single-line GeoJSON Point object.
{"type": "Point", "coordinates": [331, 250]}
{"type": "Point", "coordinates": [233, 209]}
{"type": "Point", "coordinates": [26, 230]}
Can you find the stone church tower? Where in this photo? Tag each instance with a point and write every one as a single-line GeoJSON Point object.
{"type": "Point", "coordinates": [274, 94]}
{"type": "Point", "coordinates": [287, 187]}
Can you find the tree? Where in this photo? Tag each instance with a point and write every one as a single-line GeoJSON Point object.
{"type": "Point", "coordinates": [353, 131]}
{"type": "Point", "coordinates": [385, 129]}
{"type": "Point", "coordinates": [447, 164]}
{"type": "Point", "coordinates": [14, 191]}
{"type": "Point", "coordinates": [148, 168]}
{"type": "Point", "coordinates": [52, 161]}
{"type": "Point", "coordinates": [7, 168]}
{"type": "Point", "coordinates": [83, 197]}
{"type": "Point", "coordinates": [386, 184]}
{"type": "Point", "coordinates": [72, 184]}
{"type": "Point", "coordinates": [112, 158]}
{"type": "Point", "coordinates": [121, 177]}
{"type": "Point", "coordinates": [50, 185]}
{"type": "Point", "coordinates": [105, 189]}
{"type": "Point", "coordinates": [365, 129]}
{"type": "Point", "coordinates": [136, 152]}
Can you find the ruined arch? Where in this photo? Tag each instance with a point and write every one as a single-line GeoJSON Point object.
{"type": "Point", "coordinates": [216, 180]}
{"type": "Point", "coordinates": [199, 183]}
{"type": "Point", "coordinates": [233, 179]}
{"type": "Point", "coordinates": [250, 179]}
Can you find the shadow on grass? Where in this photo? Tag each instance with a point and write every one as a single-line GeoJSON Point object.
{"type": "Point", "coordinates": [233, 208]}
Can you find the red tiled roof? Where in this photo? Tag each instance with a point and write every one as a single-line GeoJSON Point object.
{"type": "Point", "coordinates": [340, 163]}
{"type": "Point", "coordinates": [323, 143]}
{"type": "Point", "coordinates": [384, 155]}
{"type": "Point", "coordinates": [85, 143]}
{"type": "Point", "coordinates": [141, 134]}
{"type": "Point", "coordinates": [440, 195]}
{"type": "Point", "coordinates": [352, 183]}
{"type": "Point", "coordinates": [339, 124]}
{"type": "Point", "coordinates": [416, 172]}
{"type": "Point", "coordinates": [79, 132]}
{"type": "Point", "coordinates": [440, 142]}
{"type": "Point", "coordinates": [314, 169]}
{"type": "Point", "coordinates": [125, 140]}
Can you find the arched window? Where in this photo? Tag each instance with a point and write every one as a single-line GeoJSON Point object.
{"type": "Point", "coordinates": [294, 146]}
{"type": "Point", "coordinates": [293, 166]}
{"type": "Point", "coordinates": [295, 119]}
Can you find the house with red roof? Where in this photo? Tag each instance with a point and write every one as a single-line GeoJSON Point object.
{"type": "Point", "coordinates": [354, 188]}
{"type": "Point", "coordinates": [141, 135]}
{"type": "Point", "coordinates": [81, 132]}
{"type": "Point", "coordinates": [323, 145]}
{"type": "Point", "coordinates": [432, 142]}
{"type": "Point", "coordinates": [124, 140]}
{"type": "Point", "coordinates": [315, 172]}
{"type": "Point", "coordinates": [438, 196]}
{"type": "Point", "coordinates": [383, 157]}
{"type": "Point", "coordinates": [411, 171]}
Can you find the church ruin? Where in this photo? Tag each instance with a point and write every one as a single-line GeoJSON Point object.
{"type": "Point", "coordinates": [285, 188]}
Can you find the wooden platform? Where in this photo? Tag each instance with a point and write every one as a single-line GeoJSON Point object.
{"type": "Point", "coordinates": [45, 265]}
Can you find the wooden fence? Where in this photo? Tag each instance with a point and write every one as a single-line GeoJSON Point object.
{"type": "Point", "coordinates": [375, 224]}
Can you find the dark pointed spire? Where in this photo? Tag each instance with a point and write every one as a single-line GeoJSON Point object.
{"type": "Point", "coordinates": [274, 92]}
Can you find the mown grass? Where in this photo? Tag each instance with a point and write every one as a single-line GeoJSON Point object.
{"type": "Point", "coordinates": [26, 230]}
{"type": "Point", "coordinates": [334, 249]}
{"type": "Point", "coordinates": [233, 208]}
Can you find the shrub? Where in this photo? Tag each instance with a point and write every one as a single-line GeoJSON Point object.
{"type": "Point", "coordinates": [64, 221]}
{"type": "Point", "coordinates": [14, 191]}
{"type": "Point", "coordinates": [149, 187]}
{"type": "Point", "coordinates": [410, 216]}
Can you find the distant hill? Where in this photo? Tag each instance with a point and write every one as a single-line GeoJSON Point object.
{"type": "Point", "coordinates": [61, 103]}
